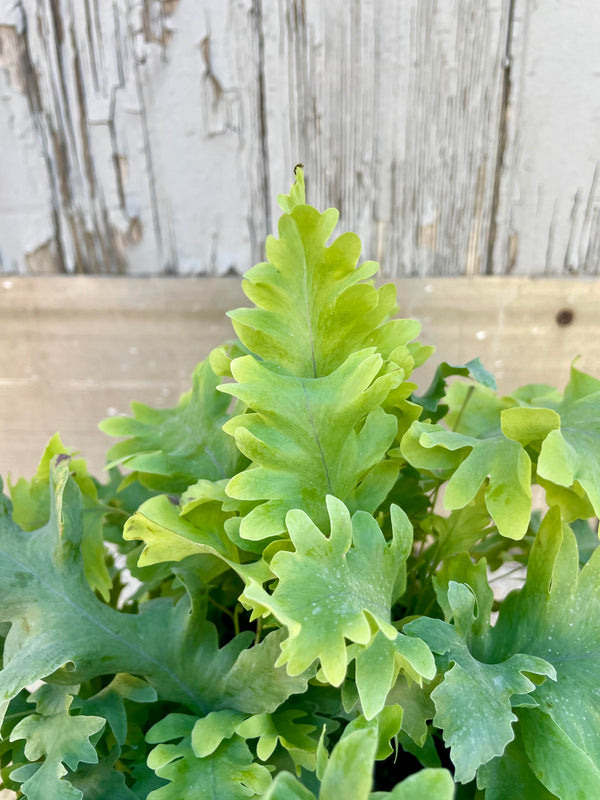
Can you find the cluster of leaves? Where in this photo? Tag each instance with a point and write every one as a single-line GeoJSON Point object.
{"type": "Point", "coordinates": [301, 618]}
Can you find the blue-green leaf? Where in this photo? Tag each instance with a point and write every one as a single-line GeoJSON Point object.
{"type": "Point", "coordinates": [556, 616]}
{"type": "Point", "coordinates": [227, 772]}
{"type": "Point", "coordinates": [169, 449]}
{"type": "Point", "coordinates": [62, 740]}
{"type": "Point", "coordinates": [473, 702]}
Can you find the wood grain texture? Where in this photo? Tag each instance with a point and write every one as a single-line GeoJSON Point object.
{"type": "Point", "coordinates": [549, 211]}
{"type": "Point", "coordinates": [152, 136]}
{"type": "Point", "coordinates": [395, 108]}
{"type": "Point", "coordinates": [123, 143]}
{"type": "Point", "coordinates": [75, 350]}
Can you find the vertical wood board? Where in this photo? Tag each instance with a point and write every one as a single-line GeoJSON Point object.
{"type": "Point", "coordinates": [394, 107]}
{"type": "Point", "coordinates": [549, 212]}
{"type": "Point", "coordinates": [152, 136]}
{"type": "Point", "coordinates": [125, 143]}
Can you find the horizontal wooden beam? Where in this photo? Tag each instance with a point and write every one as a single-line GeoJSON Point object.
{"type": "Point", "coordinates": [75, 350]}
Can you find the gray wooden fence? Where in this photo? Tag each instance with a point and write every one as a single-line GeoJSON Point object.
{"type": "Point", "coordinates": [152, 136]}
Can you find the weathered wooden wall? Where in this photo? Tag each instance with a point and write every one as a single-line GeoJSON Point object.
{"type": "Point", "coordinates": [152, 136]}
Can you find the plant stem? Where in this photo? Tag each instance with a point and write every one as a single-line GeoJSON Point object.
{"type": "Point", "coordinates": [468, 395]}
{"type": "Point", "coordinates": [222, 609]}
{"type": "Point", "coordinates": [258, 630]}
{"type": "Point", "coordinates": [506, 574]}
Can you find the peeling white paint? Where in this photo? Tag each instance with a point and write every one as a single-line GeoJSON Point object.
{"type": "Point", "coordinates": [152, 136]}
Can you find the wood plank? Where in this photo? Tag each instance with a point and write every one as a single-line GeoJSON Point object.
{"type": "Point", "coordinates": [129, 137]}
{"type": "Point", "coordinates": [153, 137]}
{"type": "Point", "coordinates": [75, 350]}
{"type": "Point", "coordinates": [394, 109]}
{"type": "Point", "coordinates": [549, 212]}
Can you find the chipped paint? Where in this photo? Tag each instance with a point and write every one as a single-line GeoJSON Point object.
{"type": "Point", "coordinates": [151, 136]}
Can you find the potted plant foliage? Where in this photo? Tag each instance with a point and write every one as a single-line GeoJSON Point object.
{"type": "Point", "coordinates": [310, 540]}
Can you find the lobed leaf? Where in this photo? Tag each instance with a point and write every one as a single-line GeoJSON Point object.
{"type": "Point", "coordinates": [229, 771]}
{"type": "Point", "coordinates": [57, 621]}
{"type": "Point", "coordinates": [170, 449]}
{"type": "Point", "coordinates": [556, 616]}
{"type": "Point", "coordinates": [270, 730]}
{"type": "Point", "coordinates": [62, 741]}
{"type": "Point", "coordinates": [569, 455]}
{"type": "Point", "coordinates": [473, 702]}
{"type": "Point", "coordinates": [472, 461]}
{"type": "Point", "coordinates": [312, 307]}
{"type": "Point", "coordinates": [303, 439]}
{"type": "Point", "coordinates": [32, 507]}
{"type": "Point", "coordinates": [496, 440]}
{"type": "Point", "coordinates": [170, 536]}
{"type": "Point", "coordinates": [336, 588]}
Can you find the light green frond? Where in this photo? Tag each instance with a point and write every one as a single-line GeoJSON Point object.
{"type": "Point", "coordinates": [333, 589]}
{"type": "Point", "coordinates": [307, 438]}
{"type": "Point", "coordinates": [312, 307]}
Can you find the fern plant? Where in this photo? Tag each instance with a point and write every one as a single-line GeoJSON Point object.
{"type": "Point", "coordinates": [304, 619]}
